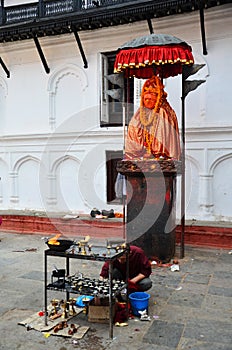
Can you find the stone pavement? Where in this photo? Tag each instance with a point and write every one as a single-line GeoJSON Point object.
{"type": "Point", "coordinates": [189, 309]}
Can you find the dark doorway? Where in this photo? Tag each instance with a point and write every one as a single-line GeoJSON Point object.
{"type": "Point", "coordinates": [112, 157]}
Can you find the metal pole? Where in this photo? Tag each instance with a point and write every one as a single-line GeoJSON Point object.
{"type": "Point", "coordinates": [123, 196]}
{"type": "Point", "coordinates": [202, 21]}
{"type": "Point", "coordinates": [80, 48]}
{"type": "Point", "coordinates": [110, 300]}
{"type": "Point", "coordinates": [124, 147]}
{"type": "Point", "coordinates": [127, 279]}
{"type": "Point", "coordinates": [41, 54]}
{"type": "Point", "coordinates": [2, 11]}
{"type": "Point", "coordinates": [45, 289]}
{"type": "Point", "coordinates": [5, 68]}
{"type": "Point", "coordinates": [150, 26]}
{"type": "Point", "coordinates": [183, 171]}
{"type": "Point", "coordinates": [68, 273]}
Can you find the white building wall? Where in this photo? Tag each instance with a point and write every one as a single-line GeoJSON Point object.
{"type": "Point", "coordinates": [52, 149]}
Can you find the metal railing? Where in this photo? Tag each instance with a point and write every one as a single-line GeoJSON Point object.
{"type": "Point", "coordinates": [44, 9]}
{"type": "Point", "coordinates": [50, 8]}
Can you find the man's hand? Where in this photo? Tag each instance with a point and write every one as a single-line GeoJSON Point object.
{"type": "Point", "coordinates": [137, 278]}
{"type": "Point", "coordinates": [132, 287]}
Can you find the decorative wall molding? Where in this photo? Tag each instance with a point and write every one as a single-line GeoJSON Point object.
{"type": "Point", "coordinates": [220, 160]}
{"type": "Point", "coordinates": [4, 86]}
{"type": "Point", "coordinates": [23, 160]}
{"type": "Point", "coordinates": [58, 161]}
{"type": "Point", "coordinates": [53, 83]}
{"type": "Point", "coordinates": [13, 177]}
{"type": "Point", "coordinates": [206, 195]}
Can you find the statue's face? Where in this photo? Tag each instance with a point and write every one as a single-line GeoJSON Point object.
{"type": "Point", "coordinates": [149, 100]}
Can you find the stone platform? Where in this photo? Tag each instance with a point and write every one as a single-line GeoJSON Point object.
{"type": "Point", "coordinates": [197, 233]}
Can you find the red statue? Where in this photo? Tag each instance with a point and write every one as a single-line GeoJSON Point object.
{"type": "Point", "coordinates": [153, 130]}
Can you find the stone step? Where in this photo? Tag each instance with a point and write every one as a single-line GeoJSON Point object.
{"type": "Point", "coordinates": [196, 235]}
{"type": "Point", "coordinates": [208, 236]}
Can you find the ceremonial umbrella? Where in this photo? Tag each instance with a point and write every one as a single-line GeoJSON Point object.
{"type": "Point", "coordinates": [163, 55]}
{"type": "Point", "coordinates": [153, 54]}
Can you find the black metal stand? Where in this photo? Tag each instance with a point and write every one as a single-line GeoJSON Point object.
{"type": "Point", "coordinates": [101, 255]}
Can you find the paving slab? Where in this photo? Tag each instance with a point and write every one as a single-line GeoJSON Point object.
{"type": "Point", "coordinates": [194, 287]}
{"type": "Point", "coordinates": [227, 292]}
{"type": "Point", "coordinates": [217, 302]}
{"type": "Point", "coordinates": [198, 278]}
{"type": "Point", "coordinates": [211, 331]}
{"type": "Point", "coordinates": [190, 309]}
{"type": "Point", "coordinates": [192, 344]}
{"type": "Point", "coordinates": [186, 299]}
{"type": "Point", "coordinates": [164, 333]}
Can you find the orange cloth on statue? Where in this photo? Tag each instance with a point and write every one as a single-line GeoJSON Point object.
{"type": "Point", "coordinates": [165, 134]}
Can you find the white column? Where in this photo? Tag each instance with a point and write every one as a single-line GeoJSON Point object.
{"type": "Point", "coordinates": [14, 198]}
{"type": "Point", "coordinates": [52, 113]}
{"type": "Point", "coordinates": [52, 196]}
{"type": "Point", "coordinates": [206, 195]}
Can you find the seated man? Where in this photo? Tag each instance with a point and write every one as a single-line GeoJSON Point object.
{"type": "Point", "coordinates": [139, 270]}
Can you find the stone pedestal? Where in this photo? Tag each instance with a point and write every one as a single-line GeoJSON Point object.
{"type": "Point", "coordinates": [151, 204]}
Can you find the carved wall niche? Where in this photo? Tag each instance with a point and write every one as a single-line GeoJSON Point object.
{"type": "Point", "coordinates": [65, 86]}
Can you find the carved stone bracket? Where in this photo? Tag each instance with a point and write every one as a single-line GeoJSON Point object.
{"type": "Point", "coordinates": [138, 166]}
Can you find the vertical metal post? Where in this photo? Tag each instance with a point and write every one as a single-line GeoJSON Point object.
{"type": "Point", "coordinates": [45, 289]}
{"type": "Point", "coordinates": [110, 300]}
{"type": "Point", "coordinates": [202, 21]}
{"type": "Point", "coordinates": [123, 196]}
{"type": "Point", "coordinates": [41, 9]}
{"type": "Point", "coordinates": [67, 272]}
{"type": "Point", "coordinates": [187, 86]}
{"type": "Point", "coordinates": [77, 5]}
{"type": "Point", "coordinates": [1, 13]}
{"type": "Point", "coordinates": [127, 279]}
{"type": "Point", "coordinates": [124, 110]}
{"type": "Point", "coordinates": [183, 171]}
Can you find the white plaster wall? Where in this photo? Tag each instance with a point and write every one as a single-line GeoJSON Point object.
{"type": "Point", "coordinates": [52, 150]}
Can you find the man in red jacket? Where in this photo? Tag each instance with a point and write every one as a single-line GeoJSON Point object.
{"type": "Point", "coordinates": [139, 270]}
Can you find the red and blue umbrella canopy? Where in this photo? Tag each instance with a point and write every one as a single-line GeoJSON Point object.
{"type": "Point", "coordinates": [154, 54]}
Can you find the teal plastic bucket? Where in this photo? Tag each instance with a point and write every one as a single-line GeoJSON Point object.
{"type": "Point", "coordinates": [139, 302]}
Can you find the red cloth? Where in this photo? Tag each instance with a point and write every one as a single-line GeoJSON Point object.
{"type": "Point", "coordinates": [121, 314]}
{"type": "Point", "coordinates": [138, 263]}
{"type": "Point", "coordinates": [165, 133]}
{"type": "Point", "coordinates": [166, 59]}
{"type": "Point", "coordinates": [132, 287]}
